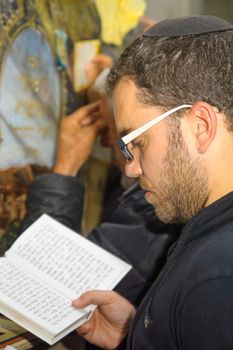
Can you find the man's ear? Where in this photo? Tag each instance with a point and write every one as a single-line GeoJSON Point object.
{"type": "Point", "coordinates": [204, 124]}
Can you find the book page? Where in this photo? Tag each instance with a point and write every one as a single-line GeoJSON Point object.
{"type": "Point", "coordinates": [22, 294]}
{"type": "Point", "coordinates": [66, 260]}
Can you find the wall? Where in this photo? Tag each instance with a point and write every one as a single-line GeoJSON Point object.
{"type": "Point", "coordinates": [223, 8]}
{"type": "Point", "coordinates": [159, 10]}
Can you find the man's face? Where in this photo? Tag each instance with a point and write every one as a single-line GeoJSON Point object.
{"type": "Point", "coordinates": [175, 184]}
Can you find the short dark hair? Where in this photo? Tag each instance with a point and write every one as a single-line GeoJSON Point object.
{"type": "Point", "coordinates": [173, 71]}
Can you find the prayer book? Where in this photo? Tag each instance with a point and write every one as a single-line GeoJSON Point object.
{"type": "Point", "coordinates": [46, 268]}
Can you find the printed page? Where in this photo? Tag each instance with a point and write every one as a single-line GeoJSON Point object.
{"type": "Point", "coordinates": [22, 294]}
{"type": "Point", "coordinates": [66, 260]}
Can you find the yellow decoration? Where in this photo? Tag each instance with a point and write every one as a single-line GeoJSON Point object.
{"type": "Point", "coordinates": [118, 17]}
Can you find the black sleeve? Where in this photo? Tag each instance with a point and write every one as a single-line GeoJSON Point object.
{"type": "Point", "coordinates": [58, 196]}
{"type": "Point", "coordinates": [206, 316]}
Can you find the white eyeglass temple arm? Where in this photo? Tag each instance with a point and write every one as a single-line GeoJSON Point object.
{"type": "Point", "coordinates": [132, 135]}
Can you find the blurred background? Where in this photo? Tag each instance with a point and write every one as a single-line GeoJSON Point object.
{"type": "Point", "coordinates": [158, 9]}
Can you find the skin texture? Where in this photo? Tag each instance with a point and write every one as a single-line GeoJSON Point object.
{"type": "Point", "coordinates": [110, 321]}
{"type": "Point", "coordinates": [96, 66]}
{"type": "Point", "coordinates": [180, 181]}
{"type": "Point", "coordinates": [76, 137]}
{"type": "Point", "coordinates": [78, 131]}
{"type": "Point", "coordinates": [162, 162]}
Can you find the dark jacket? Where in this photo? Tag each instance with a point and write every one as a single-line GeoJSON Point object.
{"type": "Point", "coordinates": [132, 232]}
{"type": "Point", "coordinates": [190, 305]}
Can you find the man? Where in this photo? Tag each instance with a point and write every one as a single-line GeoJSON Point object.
{"type": "Point", "coordinates": [178, 75]}
{"type": "Point", "coordinates": [130, 230]}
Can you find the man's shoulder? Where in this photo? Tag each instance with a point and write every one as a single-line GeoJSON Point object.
{"type": "Point", "coordinates": [215, 244]}
{"type": "Point", "coordinates": [210, 257]}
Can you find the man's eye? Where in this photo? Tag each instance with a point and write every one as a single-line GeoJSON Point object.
{"type": "Point", "coordinates": [137, 144]}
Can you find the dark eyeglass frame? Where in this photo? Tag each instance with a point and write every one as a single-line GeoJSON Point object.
{"type": "Point", "coordinates": [124, 141]}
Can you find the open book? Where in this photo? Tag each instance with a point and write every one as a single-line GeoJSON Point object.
{"type": "Point", "coordinates": [47, 267]}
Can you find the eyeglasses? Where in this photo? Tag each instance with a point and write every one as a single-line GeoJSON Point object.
{"type": "Point", "coordinates": [124, 141]}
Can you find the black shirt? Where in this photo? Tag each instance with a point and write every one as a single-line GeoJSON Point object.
{"type": "Point", "coordinates": [190, 305]}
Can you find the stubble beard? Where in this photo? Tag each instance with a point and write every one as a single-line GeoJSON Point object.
{"type": "Point", "coordinates": [183, 186]}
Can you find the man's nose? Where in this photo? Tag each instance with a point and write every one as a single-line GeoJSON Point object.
{"type": "Point", "coordinates": [133, 168]}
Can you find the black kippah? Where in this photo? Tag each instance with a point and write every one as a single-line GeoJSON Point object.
{"type": "Point", "coordinates": [184, 26]}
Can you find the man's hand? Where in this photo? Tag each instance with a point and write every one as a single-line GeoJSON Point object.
{"type": "Point", "coordinates": [77, 134]}
{"type": "Point", "coordinates": [110, 321]}
{"type": "Point", "coordinates": [96, 66]}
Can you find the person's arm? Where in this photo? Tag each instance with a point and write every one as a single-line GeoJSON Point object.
{"type": "Point", "coordinates": [60, 194]}
{"type": "Point", "coordinates": [76, 137]}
